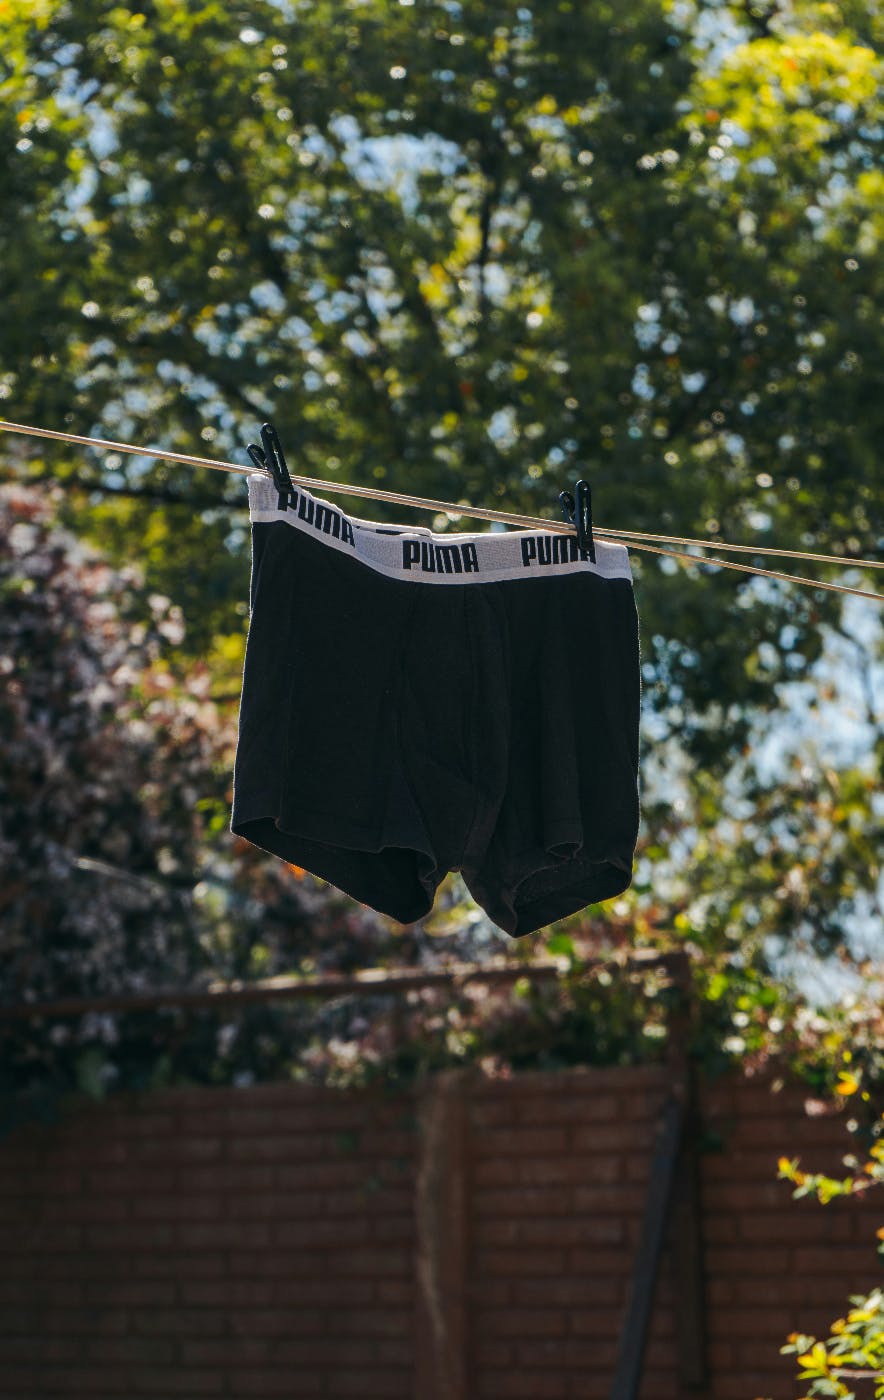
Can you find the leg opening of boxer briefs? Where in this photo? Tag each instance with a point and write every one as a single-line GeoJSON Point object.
{"type": "Point", "coordinates": [385, 880]}
{"type": "Point", "coordinates": [540, 899]}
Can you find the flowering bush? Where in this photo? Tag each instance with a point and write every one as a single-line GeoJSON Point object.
{"type": "Point", "coordinates": [98, 840]}
{"type": "Point", "coordinates": [854, 1352]}
{"type": "Point", "coordinates": [113, 786]}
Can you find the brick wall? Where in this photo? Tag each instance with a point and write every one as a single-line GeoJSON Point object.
{"type": "Point", "coordinates": [470, 1239]}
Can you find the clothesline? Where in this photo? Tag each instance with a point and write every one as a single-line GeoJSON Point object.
{"type": "Point", "coordinates": [637, 540]}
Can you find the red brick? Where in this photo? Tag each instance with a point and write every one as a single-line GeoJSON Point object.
{"type": "Point", "coordinates": [185, 1101]}
{"type": "Point", "coordinates": [85, 1322]}
{"type": "Point", "coordinates": [18, 1321]}
{"type": "Point", "coordinates": [321, 1234]}
{"type": "Point", "coordinates": [721, 1355]}
{"type": "Point", "coordinates": [320, 1174]}
{"type": "Point", "coordinates": [746, 1196]}
{"type": "Point", "coordinates": [719, 1229]}
{"type": "Point", "coordinates": [228, 1178]}
{"type": "Point", "coordinates": [562, 1108]}
{"type": "Point", "coordinates": [276, 1322]}
{"type": "Point", "coordinates": [289, 1380]}
{"type": "Point", "coordinates": [144, 1380]}
{"type": "Point", "coordinates": [539, 1201]}
{"type": "Point", "coordinates": [604, 1137]}
{"type": "Point", "coordinates": [374, 1322]}
{"type": "Point", "coordinates": [744, 1261]}
{"type": "Point", "coordinates": [740, 1383]}
{"type": "Point", "coordinates": [520, 1262]}
{"type": "Point", "coordinates": [22, 1380]}
{"type": "Point", "coordinates": [765, 1099]}
{"type": "Point", "coordinates": [637, 1169]}
{"type": "Point", "coordinates": [494, 1171]}
{"type": "Point", "coordinates": [121, 1292]}
{"type": "Point", "coordinates": [49, 1268]}
{"type": "Point", "coordinates": [225, 1293]}
{"type": "Point", "coordinates": [225, 1234]}
{"type": "Point", "coordinates": [129, 1237]}
{"type": "Point", "coordinates": [793, 1227]}
{"type": "Point", "coordinates": [33, 1238]}
{"type": "Point", "coordinates": [46, 1350]}
{"type": "Point", "coordinates": [22, 1291]}
{"type": "Point", "coordinates": [272, 1204]}
{"type": "Point", "coordinates": [74, 1380]}
{"type": "Point", "coordinates": [568, 1351]}
{"type": "Point", "coordinates": [347, 1112]}
{"type": "Point", "coordinates": [395, 1351]}
{"type": "Point", "coordinates": [137, 1351]}
{"type": "Point", "coordinates": [608, 1263]}
{"type": "Point", "coordinates": [395, 1112]}
{"type": "Point", "coordinates": [792, 1137]}
{"type": "Point", "coordinates": [90, 1151]}
{"type": "Point", "coordinates": [602, 1169]}
{"type": "Point", "coordinates": [141, 1124]}
{"type": "Point", "coordinates": [802, 1290]}
{"type": "Point", "coordinates": [178, 1148]}
{"type": "Point", "coordinates": [566, 1292]}
{"type": "Point", "coordinates": [663, 1325]}
{"type": "Point", "coordinates": [659, 1385]}
{"type": "Point", "coordinates": [178, 1322]}
{"type": "Point", "coordinates": [177, 1207]}
{"type": "Point", "coordinates": [568, 1170]}
{"type": "Point", "coordinates": [392, 1198]}
{"type": "Point", "coordinates": [211, 1264]}
{"type": "Point", "coordinates": [538, 1384]}
{"type": "Point", "coordinates": [379, 1383]}
{"type": "Point", "coordinates": [227, 1351]}
{"type": "Point", "coordinates": [281, 1147]}
{"type": "Point", "coordinates": [341, 1349]}
{"type": "Point", "coordinates": [387, 1142]}
{"type": "Point", "coordinates": [394, 1291]}
{"type": "Point", "coordinates": [662, 1356]}
{"type": "Point", "coordinates": [392, 1229]}
{"type": "Point", "coordinates": [519, 1142]}
{"type": "Point", "coordinates": [490, 1353]}
{"type": "Point", "coordinates": [556, 1231]}
{"type": "Point", "coordinates": [495, 1115]}
{"type": "Point", "coordinates": [265, 1263]}
{"type": "Point", "coordinates": [389, 1263]}
{"type": "Point", "coordinates": [767, 1321]}
{"type": "Point", "coordinates": [721, 1291]}
{"type": "Point", "coordinates": [130, 1181]}
{"type": "Point", "coordinates": [222, 1118]}
{"type": "Point", "coordinates": [332, 1292]}
{"type": "Point", "coordinates": [609, 1200]}
{"type": "Point", "coordinates": [846, 1261]}
{"type": "Point", "coordinates": [738, 1164]}
{"type": "Point", "coordinates": [526, 1322]}
{"type": "Point", "coordinates": [23, 1182]}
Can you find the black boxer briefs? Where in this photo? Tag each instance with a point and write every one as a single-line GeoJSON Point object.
{"type": "Point", "coordinates": [415, 703]}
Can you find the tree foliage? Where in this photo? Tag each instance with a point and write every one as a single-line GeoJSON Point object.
{"type": "Point", "coordinates": [595, 255]}
{"type": "Point", "coordinates": [470, 252]}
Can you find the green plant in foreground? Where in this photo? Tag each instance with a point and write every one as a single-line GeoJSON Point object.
{"type": "Point", "coordinates": [850, 1363]}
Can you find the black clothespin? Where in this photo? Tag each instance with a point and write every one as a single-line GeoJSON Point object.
{"type": "Point", "coordinates": [272, 460]}
{"type": "Point", "coordinates": [579, 512]}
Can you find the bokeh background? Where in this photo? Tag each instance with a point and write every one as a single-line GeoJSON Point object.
{"type": "Point", "coordinates": [470, 252]}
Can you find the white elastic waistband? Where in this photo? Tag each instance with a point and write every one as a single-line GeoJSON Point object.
{"type": "Point", "coordinates": [413, 553]}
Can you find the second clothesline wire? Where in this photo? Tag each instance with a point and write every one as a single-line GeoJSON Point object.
{"type": "Point", "coordinates": [633, 539]}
